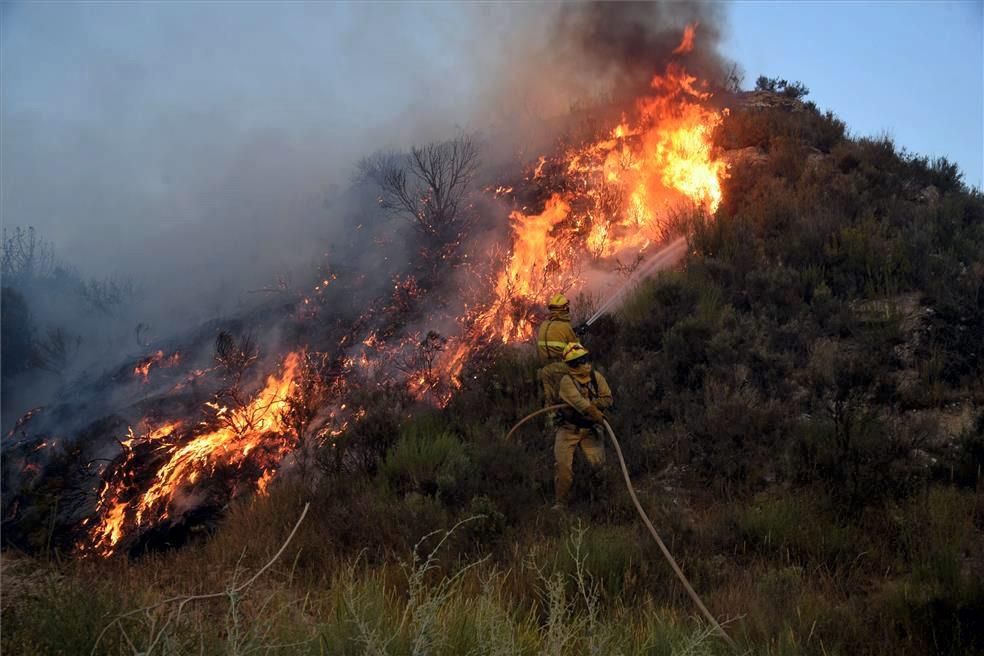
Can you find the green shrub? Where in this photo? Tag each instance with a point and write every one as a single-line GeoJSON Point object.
{"type": "Point", "coordinates": [787, 158]}
{"type": "Point", "coordinates": [746, 127]}
{"type": "Point", "coordinates": [613, 555]}
{"type": "Point", "coordinates": [490, 525]}
{"type": "Point", "coordinates": [968, 469]}
{"type": "Point", "coordinates": [430, 463]}
{"type": "Point", "coordinates": [734, 432]}
{"type": "Point", "coordinates": [497, 391]}
{"type": "Point", "coordinates": [59, 617]}
{"type": "Point", "coordinates": [656, 306]}
{"type": "Point", "coordinates": [363, 444]}
{"type": "Point", "coordinates": [941, 602]}
{"type": "Point", "coordinates": [798, 530]}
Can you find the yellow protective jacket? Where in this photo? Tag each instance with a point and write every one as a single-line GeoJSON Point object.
{"type": "Point", "coordinates": [555, 333]}
{"type": "Point", "coordinates": [580, 390]}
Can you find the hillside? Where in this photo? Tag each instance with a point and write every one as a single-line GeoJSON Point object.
{"type": "Point", "coordinates": [800, 401]}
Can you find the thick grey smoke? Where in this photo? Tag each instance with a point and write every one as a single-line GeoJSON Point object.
{"type": "Point", "coordinates": [627, 42]}
{"type": "Point", "coordinates": [204, 149]}
{"type": "Point", "coordinates": [193, 146]}
{"type": "Point", "coordinates": [196, 144]}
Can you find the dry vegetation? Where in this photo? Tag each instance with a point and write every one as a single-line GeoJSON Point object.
{"type": "Point", "coordinates": [801, 405]}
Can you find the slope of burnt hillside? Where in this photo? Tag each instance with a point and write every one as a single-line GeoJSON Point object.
{"type": "Point", "coordinates": [800, 403]}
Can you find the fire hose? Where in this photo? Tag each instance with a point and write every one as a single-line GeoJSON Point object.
{"type": "Point", "coordinates": [645, 518]}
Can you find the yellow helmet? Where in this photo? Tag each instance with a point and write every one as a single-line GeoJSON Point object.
{"type": "Point", "coordinates": [574, 351]}
{"type": "Point", "coordinates": [558, 302]}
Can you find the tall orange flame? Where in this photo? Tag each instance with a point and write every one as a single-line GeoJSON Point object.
{"type": "Point", "coordinates": [620, 194]}
{"type": "Point", "coordinates": [687, 44]}
{"type": "Point", "coordinates": [244, 430]}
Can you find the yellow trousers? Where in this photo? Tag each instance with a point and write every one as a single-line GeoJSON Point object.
{"type": "Point", "coordinates": [565, 444]}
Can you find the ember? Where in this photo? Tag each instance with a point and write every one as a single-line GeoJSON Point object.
{"type": "Point", "coordinates": [142, 369]}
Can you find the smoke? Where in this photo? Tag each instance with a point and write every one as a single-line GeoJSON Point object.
{"type": "Point", "coordinates": [209, 151]}
{"type": "Point", "coordinates": [628, 42]}
{"type": "Point", "coordinates": [197, 145]}
{"type": "Point", "coordinates": [194, 147]}
{"type": "Point", "coordinates": [567, 55]}
{"type": "Point", "coordinates": [205, 151]}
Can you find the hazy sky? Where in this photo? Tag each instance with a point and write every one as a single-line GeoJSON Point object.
{"type": "Point", "coordinates": [183, 136]}
{"type": "Point", "coordinates": [199, 139]}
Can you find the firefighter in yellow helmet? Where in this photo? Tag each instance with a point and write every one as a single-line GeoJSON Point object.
{"type": "Point", "coordinates": [587, 394]}
{"type": "Point", "coordinates": [556, 332]}
{"type": "Point", "coordinates": [552, 338]}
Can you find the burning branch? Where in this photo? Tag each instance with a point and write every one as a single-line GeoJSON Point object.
{"type": "Point", "coordinates": [303, 405]}
{"type": "Point", "coordinates": [406, 291]}
{"type": "Point", "coordinates": [235, 358]}
{"type": "Point", "coordinates": [419, 364]}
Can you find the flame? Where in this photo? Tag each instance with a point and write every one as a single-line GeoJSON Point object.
{"type": "Point", "coordinates": [604, 200]}
{"type": "Point", "coordinates": [534, 251]}
{"type": "Point", "coordinates": [687, 44]}
{"type": "Point", "coordinates": [617, 197]}
{"type": "Point", "coordinates": [255, 427]}
{"type": "Point", "coordinates": [142, 369]}
{"type": "Point", "coordinates": [263, 482]}
{"type": "Point", "coordinates": [614, 199]}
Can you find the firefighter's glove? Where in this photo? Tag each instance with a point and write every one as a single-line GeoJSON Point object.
{"type": "Point", "coordinates": [596, 415]}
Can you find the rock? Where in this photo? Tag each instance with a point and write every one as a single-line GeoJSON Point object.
{"type": "Point", "coordinates": [744, 156]}
{"type": "Point", "coordinates": [770, 100]}
{"type": "Point", "coordinates": [930, 195]}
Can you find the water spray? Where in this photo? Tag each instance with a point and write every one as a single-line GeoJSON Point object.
{"type": "Point", "coordinates": [664, 257]}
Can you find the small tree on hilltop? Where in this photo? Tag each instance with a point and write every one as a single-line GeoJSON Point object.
{"type": "Point", "coordinates": [795, 90]}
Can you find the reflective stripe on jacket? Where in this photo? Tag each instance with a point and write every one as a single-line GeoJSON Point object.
{"type": "Point", "coordinates": [554, 335]}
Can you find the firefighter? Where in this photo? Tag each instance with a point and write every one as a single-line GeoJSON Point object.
{"type": "Point", "coordinates": [555, 333]}
{"type": "Point", "coordinates": [586, 393]}
{"type": "Point", "coordinates": [552, 338]}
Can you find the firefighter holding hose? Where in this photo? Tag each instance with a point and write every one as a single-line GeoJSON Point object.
{"type": "Point", "coordinates": [583, 394]}
{"type": "Point", "coordinates": [586, 394]}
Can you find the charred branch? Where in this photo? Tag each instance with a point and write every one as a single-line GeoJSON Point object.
{"type": "Point", "coordinates": [109, 295]}
{"type": "Point", "coordinates": [25, 256]}
{"type": "Point", "coordinates": [232, 407]}
{"type": "Point", "coordinates": [54, 351]}
{"type": "Point", "coordinates": [235, 356]}
{"type": "Point", "coordinates": [429, 187]}
{"type": "Point", "coordinates": [303, 406]}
